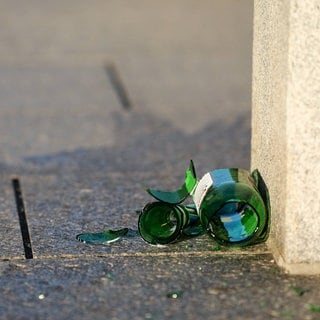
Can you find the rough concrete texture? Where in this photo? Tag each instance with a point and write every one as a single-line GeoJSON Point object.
{"type": "Point", "coordinates": [84, 161]}
{"type": "Point", "coordinates": [210, 286]}
{"type": "Point", "coordinates": [286, 126]}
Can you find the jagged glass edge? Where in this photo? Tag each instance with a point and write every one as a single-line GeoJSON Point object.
{"type": "Point", "coordinates": [177, 196]}
{"type": "Point", "coordinates": [263, 190]}
{"type": "Point", "coordinates": [105, 237]}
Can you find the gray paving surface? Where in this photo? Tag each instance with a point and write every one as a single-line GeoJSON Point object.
{"type": "Point", "coordinates": [84, 161]}
{"type": "Point", "coordinates": [117, 287]}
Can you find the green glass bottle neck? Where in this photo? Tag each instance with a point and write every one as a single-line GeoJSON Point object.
{"type": "Point", "coordinates": [163, 223]}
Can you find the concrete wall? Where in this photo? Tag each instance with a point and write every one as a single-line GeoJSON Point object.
{"type": "Point", "coordinates": [286, 126]}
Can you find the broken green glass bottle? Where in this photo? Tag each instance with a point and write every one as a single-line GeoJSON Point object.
{"type": "Point", "coordinates": [163, 223]}
{"type": "Point", "coordinates": [232, 204]}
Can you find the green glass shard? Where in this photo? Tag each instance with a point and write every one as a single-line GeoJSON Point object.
{"type": "Point", "coordinates": [109, 276]}
{"type": "Point", "coordinates": [298, 290]}
{"type": "Point", "coordinates": [263, 190]}
{"type": "Point", "coordinates": [177, 196]}
{"type": "Point", "coordinates": [314, 307]}
{"type": "Point", "coordinates": [174, 294]}
{"type": "Point", "coordinates": [105, 237]}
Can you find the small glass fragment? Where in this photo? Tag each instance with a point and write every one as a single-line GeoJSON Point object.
{"type": "Point", "coordinates": [299, 291]}
{"type": "Point", "coordinates": [105, 237]}
{"type": "Point", "coordinates": [174, 294]}
{"type": "Point", "coordinates": [314, 307]}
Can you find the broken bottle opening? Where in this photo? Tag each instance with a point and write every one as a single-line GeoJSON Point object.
{"type": "Point", "coordinates": [162, 223]}
{"type": "Point", "coordinates": [231, 204]}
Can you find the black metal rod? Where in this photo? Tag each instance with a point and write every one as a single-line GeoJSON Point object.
{"type": "Point", "coordinates": [22, 219]}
